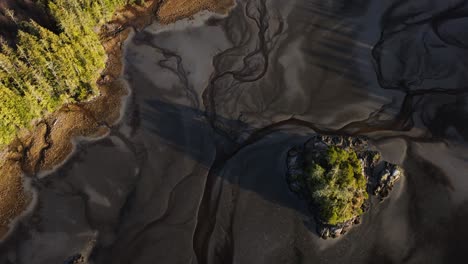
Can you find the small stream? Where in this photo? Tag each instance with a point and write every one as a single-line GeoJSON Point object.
{"type": "Point", "coordinates": [194, 172]}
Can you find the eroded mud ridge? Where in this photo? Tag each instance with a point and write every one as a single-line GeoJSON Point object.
{"type": "Point", "coordinates": [195, 170]}
{"type": "Point", "coordinates": [380, 175]}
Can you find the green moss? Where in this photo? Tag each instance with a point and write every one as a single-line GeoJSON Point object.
{"type": "Point", "coordinates": [337, 185]}
{"type": "Point", "coordinates": [46, 70]}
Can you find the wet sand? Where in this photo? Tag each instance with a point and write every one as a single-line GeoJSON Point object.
{"type": "Point", "coordinates": [195, 170]}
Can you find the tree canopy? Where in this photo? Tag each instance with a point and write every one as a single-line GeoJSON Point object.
{"type": "Point", "coordinates": [45, 69]}
{"type": "Point", "coordinates": [337, 185]}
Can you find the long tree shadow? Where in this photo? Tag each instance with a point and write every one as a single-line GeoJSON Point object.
{"type": "Point", "coordinates": [186, 130]}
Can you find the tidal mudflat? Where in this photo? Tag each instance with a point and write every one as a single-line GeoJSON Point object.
{"type": "Point", "coordinates": [195, 170]}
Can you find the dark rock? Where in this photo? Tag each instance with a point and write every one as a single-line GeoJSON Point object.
{"type": "Point", "coordinates": [357, 221]}
{"type": "Point", "coordinates": [75, 259]}
{"type": "Point", "coordinates": [386, 179]}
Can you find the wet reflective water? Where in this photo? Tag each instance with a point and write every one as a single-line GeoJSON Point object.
{"type": "Point", "coordinates": [195, 171]}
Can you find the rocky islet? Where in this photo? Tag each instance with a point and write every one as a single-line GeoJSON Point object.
{"type": "Point", "coordinates": [380, 175]}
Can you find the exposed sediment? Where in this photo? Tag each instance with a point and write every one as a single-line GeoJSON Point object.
{"type": "Point", "coordinates": [51, 140]}
{"type": "Point", "coordinates": [249, 215]}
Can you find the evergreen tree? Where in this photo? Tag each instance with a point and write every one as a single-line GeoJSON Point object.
{"type": "Point", "coordinates": [46, 70]}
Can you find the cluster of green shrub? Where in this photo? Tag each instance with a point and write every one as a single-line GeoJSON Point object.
{"type": "Point", "coordinates": [46, 69]}
{"type": "Point", "coordinates": [337, 185]}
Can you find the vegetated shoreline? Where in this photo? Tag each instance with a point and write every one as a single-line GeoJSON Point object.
{"type": "Point", "coordinates": [51, 141]}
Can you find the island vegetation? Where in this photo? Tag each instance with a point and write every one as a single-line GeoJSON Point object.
{"type": "Point", "coordinates": [47, 68]}
{"type": "Point", "coordinates": [337, 185]}
{"type": "Point", "coordinates": [335, 175]}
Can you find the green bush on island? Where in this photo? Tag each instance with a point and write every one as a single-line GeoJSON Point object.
{"type": "Point", "coordinates": [337, 185]}
{"type": "Point", "coordinates": [45, 69]}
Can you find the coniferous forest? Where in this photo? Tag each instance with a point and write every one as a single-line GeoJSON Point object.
{"type": "Point", "coordinates": [44, 69]}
